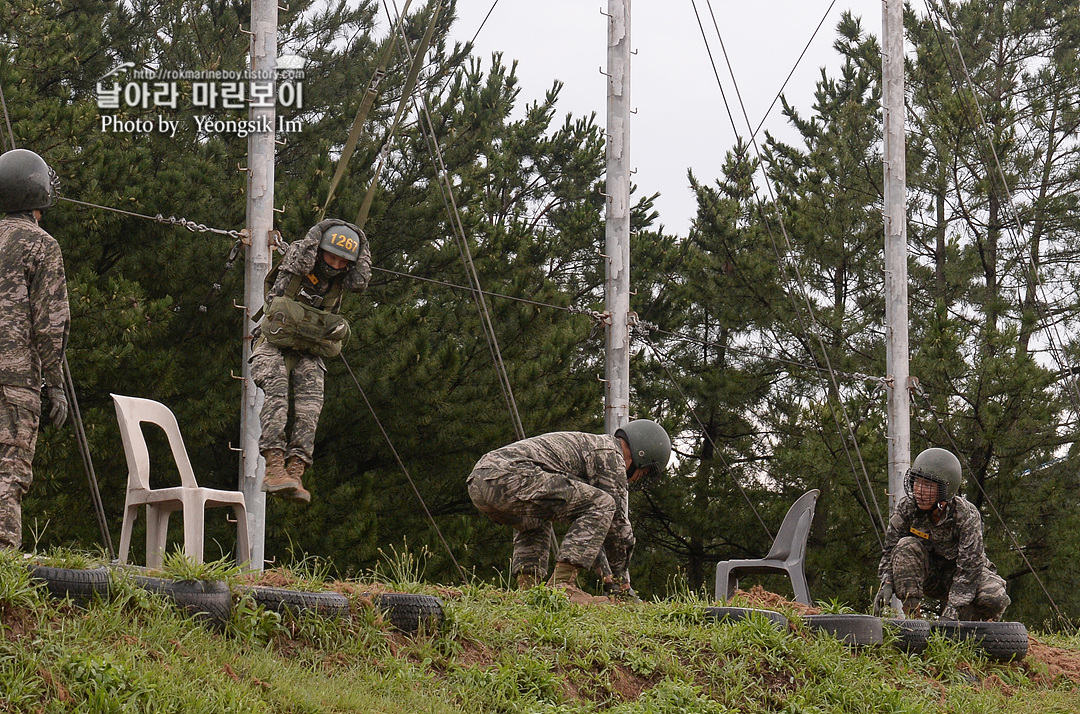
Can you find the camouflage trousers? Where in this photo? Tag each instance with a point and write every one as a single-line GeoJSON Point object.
{"type": "Point", "coordinates": [918, 573]}
{"type": "Point", "coordinates": [529, 499]}
{"type": "Point", "coordinates": [20, 408]}
{"type": "Point", "coordinates": [273, 370]}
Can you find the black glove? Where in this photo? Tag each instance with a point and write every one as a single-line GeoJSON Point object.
{"type": "Point", "coordinates": [883, 599]}
{"type": "Point", "coordinates": [59, 410]}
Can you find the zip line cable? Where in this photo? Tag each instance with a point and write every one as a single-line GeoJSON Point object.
{"type": "Point", "coordinates": [484, 22]}
{"type": "Point", "coordinates": [705, 433]}
{"type": "Point", "coordinates": [406, 92]}
{"type": "Point", "coordinates": [357, 129]}
{"type": "Point", "coordinates": [170, 221]}
{"type": "Point", "coordinates": [792, 72]}
{"type": "Point", "coordinates": [7, 119]}
{"type": "Point", "coordinates": [446, 191]}
{"type": "Point", "coordinates": [879, 523]}
{"type": "Point", "coordinates": [993, 508]}
{"type": "Point", "coordinates": [593, 314]}
{"type": "Point", "coordinates": [1052, 334]}
{"type": "Point", "coordinates": [806, 296]}
{"type": "Point", "coordinates": [88, 463]}
{"type": "Point", "coordinates": [478, 296]}
{"type": "Point", "coordinates": [804, 290]}
{"type": "Point", "coordinates": [405, 470]}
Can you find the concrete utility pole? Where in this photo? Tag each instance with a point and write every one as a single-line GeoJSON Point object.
{"type": "Point", "coordinates": [617, 243]}
{"type": "Point", "coordinates": [895, 215]}
{"type": "Point", "coordinates": [260, 223]}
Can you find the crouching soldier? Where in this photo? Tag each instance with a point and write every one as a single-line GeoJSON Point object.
{"type": "Point", "coordinates": [299, 328]}
{"type": "Point", "coordinates": [934, 547]}
{"type": "Point", "coordinates": [575, 478]}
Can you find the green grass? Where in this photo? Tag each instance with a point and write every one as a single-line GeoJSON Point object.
{"type": "Point", "coordinates": [498, 651]}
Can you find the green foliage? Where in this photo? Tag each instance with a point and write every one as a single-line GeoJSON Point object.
{"type": "Point", "coordinates": [768, 362]}
{"type": "Point", "coordinates": [178, 566]}
{"type": "Point", "coordinates": [500, 652]}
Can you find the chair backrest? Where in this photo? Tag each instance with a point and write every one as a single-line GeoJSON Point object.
{"type": "Point", "coordinates": [790, 542]}
{"type": "Point", "coordinates": [131, 412]}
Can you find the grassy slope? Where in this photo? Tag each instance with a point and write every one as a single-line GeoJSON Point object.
{"type": "Point", "coordinates": [498, 652]}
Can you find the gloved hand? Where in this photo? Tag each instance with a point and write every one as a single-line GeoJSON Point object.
{"type": "Point", "coordinates": [618, 593]}
{"type": "Point", "coordinates": [59, 410]}
{"type": "Point", "coordinates": [883, 599]}
{"type": "Point", "coordinates": [949, 614]}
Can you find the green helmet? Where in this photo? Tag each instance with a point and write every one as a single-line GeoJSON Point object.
{"type": "Point", "coordinates": [26, 182]}
{"type": "Point", "coordinates": [937, 465]}
{"type": "Point", "coordinates": [342, 240]}
{"type": "Point", "coordinates": [650, 449]}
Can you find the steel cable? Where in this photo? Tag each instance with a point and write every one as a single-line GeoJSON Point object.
{"type": "Point", "coordinates": [404, 470]}
{"type": "Point", "coordinates": [879, 524]}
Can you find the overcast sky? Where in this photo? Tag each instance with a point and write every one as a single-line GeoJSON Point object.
{"type": "Point", "coordinates": [680, 122]}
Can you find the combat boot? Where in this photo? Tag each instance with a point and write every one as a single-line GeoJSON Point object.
{"type": "Point", "coordinates": [294, 469]}
{"type": "Point", "coordinates": [913, 608]}
{"type": "Point", "coordinates": [564, 578]}
{"type": "Point", "coordinates": [277, 480]}
{"type": "Point", "coordinates": [527, 579]}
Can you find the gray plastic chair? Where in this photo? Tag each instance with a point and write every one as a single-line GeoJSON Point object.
{"type": "Point", "coordinates": [787, 555]}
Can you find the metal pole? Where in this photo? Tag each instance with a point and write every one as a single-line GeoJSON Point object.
{"type": "Point", "coordinates": [895, 216]}
{"type": "Point", "coordinates": [617, 239]}
{"type": "Point", "coordinates": [260, 222]}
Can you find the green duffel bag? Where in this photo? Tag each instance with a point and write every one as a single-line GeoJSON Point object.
{"type": "Point", "coordinates": [292, 325]}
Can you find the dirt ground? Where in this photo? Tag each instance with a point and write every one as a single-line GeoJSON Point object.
{"type": "Point", "coordinates": [759, 597]}
{"type": "Point", "coordinates": [1060, 662]}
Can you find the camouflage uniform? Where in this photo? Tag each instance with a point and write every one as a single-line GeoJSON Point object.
{"type": "Point", "coordinates": [567, 477]}
{"type": "Point", "coordinates": [945, 561]}
{"type": "Point", "coordinates": [34, 319]}
{"type": "Point", "coordinates": [272, 367]}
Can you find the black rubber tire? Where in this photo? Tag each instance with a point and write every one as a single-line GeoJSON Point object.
{"type": "Point", "coordinates": [1001, 641]}
{"type": "Point", "coordinates": [81, 585]}
{"type": "Point", "coordinates": [856, 630]}
{"type": "Point", "coordinates": [325, 604]}
{"type": "Point", "coordinates": [208, 601]}
{"type": "Point", "coordinates": [911, 635]}
{"type": "Point", "coordinates": [408, 613]}
{"type": "Point", "coordinates": [735, 614]}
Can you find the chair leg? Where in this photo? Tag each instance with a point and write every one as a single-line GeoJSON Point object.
{"type": "Point", "coordinates": [157, 532]}
{"type": "Point", "coordinates": [723, 582]}
{"type": "Point", "coordinates": [130, 514]}
{"type": "Point", "coordinates": [243, 547]}
{"type": "Point", "coordinates": [194, 518]}
{"type": "Point", "coordinates": [798, 584]}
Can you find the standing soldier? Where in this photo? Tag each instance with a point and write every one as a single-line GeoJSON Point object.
{"type": "Point", "coordinates": [34, 321]}
{"type": "Point", "coordinates": [301, 327]}
{"type": "Point", "coordinates": [575, 478]}
{"type": "Point", "coordinates": [934, 547]}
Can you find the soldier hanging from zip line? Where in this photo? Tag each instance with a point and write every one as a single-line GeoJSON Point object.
{"type": "Point", "coordinates": [934, 547]}
{"type": "Point", "coordinates": [300, 327]}
{"type": "Point", "coordinates": [34, 320]}
{"type": "Point", "coordinates": [575, 478]}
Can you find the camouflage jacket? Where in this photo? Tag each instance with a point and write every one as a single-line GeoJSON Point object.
{"type": "Point", "coordinates": [300, 260]}
{"type": "Point", "coordinates": [595, 459]}
{"type": "Point", "coordinates": [957, 538]}
{"type": "Point", "coordinates": [34, 314]}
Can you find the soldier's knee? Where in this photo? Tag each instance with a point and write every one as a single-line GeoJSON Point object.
{"type": "Point", "coordinates": [604, 504]}
{"type": "Point", "coordinates": [908, 545]}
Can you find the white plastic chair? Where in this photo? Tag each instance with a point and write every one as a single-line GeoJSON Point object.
{"type": "Point", "coordinates": [160, 503]}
